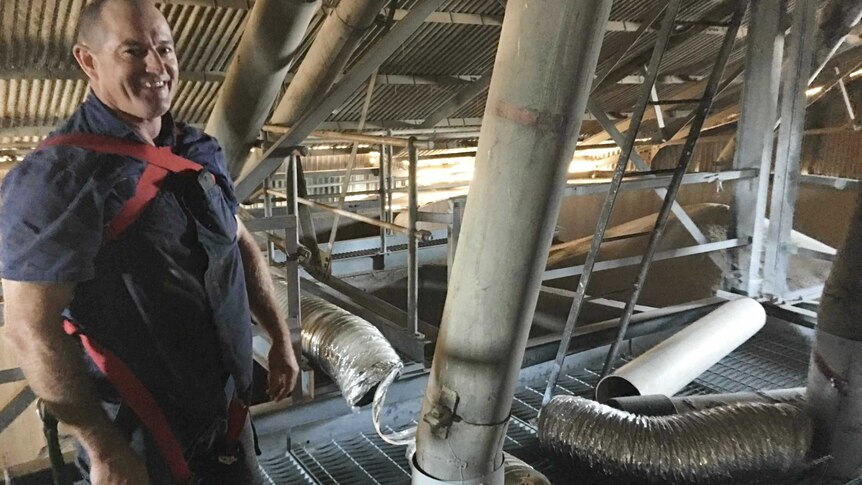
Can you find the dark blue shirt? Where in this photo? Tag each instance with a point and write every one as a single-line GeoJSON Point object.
{"type": "Point", "coordinates": [168, 297]}
{"type": "Point", "coordinates": [56, 203]}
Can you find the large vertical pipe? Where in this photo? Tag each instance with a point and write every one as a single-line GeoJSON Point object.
{"type": "Point", "coordinates": [272, 33]}
{"type": "Point", "coordinates": [835, 373]}
{"type": "Point", "coordinates": [542, 76]}
{"type": "Point", "coordinates": [327, 56]}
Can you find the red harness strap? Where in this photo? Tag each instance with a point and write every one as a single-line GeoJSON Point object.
{"type": "Point", "coordinates": [139, 399]}
{"type": "Point", "coordinates": [160, 162]}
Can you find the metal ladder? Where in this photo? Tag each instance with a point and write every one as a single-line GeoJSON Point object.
{"type": "Point", "coordinates": [703, 107]}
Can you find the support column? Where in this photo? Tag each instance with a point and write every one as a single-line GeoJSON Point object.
{"type": "Point", "coordinates": [542, 76]}
{"type": "Point", "coordinates": [271, 36]}
{"type": "Point", "coordinates": [755, 136]}
{"type": "Point", "coordinates": [785, 185]}
{"type": "Point", "coordinates": [835, 373]}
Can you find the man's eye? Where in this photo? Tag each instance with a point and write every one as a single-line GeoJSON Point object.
{"type": "Point", "coordinates": [136, 52]}
{"type": "Point", "coordinates": [166, 50]}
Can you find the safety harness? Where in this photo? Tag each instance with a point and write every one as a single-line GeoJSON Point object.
{"type": "Point", "coordinates": [160, 162]}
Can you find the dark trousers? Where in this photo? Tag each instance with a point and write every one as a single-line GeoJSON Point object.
{"type": "Point", "coordinates": [208, 471]}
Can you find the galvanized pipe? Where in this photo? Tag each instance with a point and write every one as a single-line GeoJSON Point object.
{"type": "Point", "coordinates": [835, 373]}
{"type": "Point", "coordinates": [327, 56]}
{"type": "Point", "coordinates": [272, 34]}
{"type": "Point", "coordinates": [543, 71]}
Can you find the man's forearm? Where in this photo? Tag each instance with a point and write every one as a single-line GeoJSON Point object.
{"type": "Point", "coordinates": [261, 293]}
{"type": "Point", "coordinates": [53, 364]}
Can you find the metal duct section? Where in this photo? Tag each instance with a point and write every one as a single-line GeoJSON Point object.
{"type": "Point", "coordinates": [729, 444]}
{"type": "Point", "coordinates": [347, 348]}
{"type": "Point", "coordinates": [520, 473]}
{"type": "Point", "coordinates": [674, 363]}
{"type": "Point", "coordinates": [661, 405]}
{"type": "Point", "coordinates": [272, 34]}
{"type": "Point", "coordinates": [835, 372]}
{"type": "Point", "coordinates": [517, 472]}
{"type": "Point", "coordinates": [543, 71]}
{"type": "Point", "coordinates": [334, 43]}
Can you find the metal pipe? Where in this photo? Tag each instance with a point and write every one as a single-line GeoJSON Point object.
{"type": "Point", "coordinates": [671, 365]}
{"type": "Point", "coordinates": [835, 373]}
{"type": "Point", "coordinates": [274, 31]}
{"type": "Point", "coordinates": [661, 405]}
{"type": "Point", "coordinates": [729, 444]}
{"type": "Point", "coordinates": [412, 244]}
{"type": "Point", "coordinates": [542, 74]}
{"type": "Point", "coordinates": [325, 60]}
{"type": "Point", "coordinates": [310, 118]}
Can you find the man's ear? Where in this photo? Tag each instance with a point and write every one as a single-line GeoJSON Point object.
{"type": "Point", "coordinates": [86, 60]}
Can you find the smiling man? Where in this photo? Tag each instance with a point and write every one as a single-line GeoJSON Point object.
{"type": "Point", "coordinates": [129, 282]}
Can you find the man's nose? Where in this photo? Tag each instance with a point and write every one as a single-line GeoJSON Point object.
{"type": "Point", "coordinates": [154, 62]}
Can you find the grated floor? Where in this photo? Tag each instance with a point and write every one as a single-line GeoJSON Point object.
{"type": "Point", "coordinates": [775, 358]}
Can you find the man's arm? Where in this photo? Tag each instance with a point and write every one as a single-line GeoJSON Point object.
{"type": "Point", "coordinates": [283, 367]}
{"type": "Point", "coordinates": [55, 371]}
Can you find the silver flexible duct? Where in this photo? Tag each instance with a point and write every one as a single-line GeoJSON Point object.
{"type": "Point", "coordinates": [736, 444]}
{"type": "Point", "coordinates": [347, 348]}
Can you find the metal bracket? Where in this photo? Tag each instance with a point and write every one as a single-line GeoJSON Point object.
{"type": "Point", "coordinates": [442, 415]}
{"type": "Point", "coordinates": [302, 254]}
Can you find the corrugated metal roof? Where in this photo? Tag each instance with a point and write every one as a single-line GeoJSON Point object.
{"type": "Point", "coordinates": [39, 34]}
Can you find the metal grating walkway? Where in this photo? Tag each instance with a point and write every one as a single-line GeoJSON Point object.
{"type": "Point", "coordinates": [777, 357]}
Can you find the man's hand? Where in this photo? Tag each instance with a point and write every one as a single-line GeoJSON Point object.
{"type": "Point", "coordinates": [122, 467]}
{"type": "Point", "coordinates": [283, 370]}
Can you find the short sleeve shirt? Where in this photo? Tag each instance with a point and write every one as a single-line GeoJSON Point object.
{"type": "Point", "coordinates": [55, 205]}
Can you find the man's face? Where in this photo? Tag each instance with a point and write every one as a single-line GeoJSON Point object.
{"type": "Point", "coordinates": [133, 68]}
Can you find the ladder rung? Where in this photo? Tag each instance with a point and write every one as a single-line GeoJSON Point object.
{"type": "Point", "coordinates": [675, 101]}
{"type": "Point", "coordinates": [626, 236]}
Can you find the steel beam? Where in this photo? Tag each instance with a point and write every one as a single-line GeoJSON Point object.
{"type": "Point", "coordinates": [640, 182]}
{"type": "Point", "coordinates": [459, 99]}
{"type": "Point", "coordinates": [785, 184]}
{"type": "Point", "coordinates": [755, 137]}
{"type": "Point", "coordinates": [412, 243]}
{"type": "Point", "coordinates": [553, 274]}
{"type": "Point", "coordinates": [339, 93]}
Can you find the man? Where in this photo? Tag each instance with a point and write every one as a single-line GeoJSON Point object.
{"type": "Point", "coordinates": [141, 253]}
